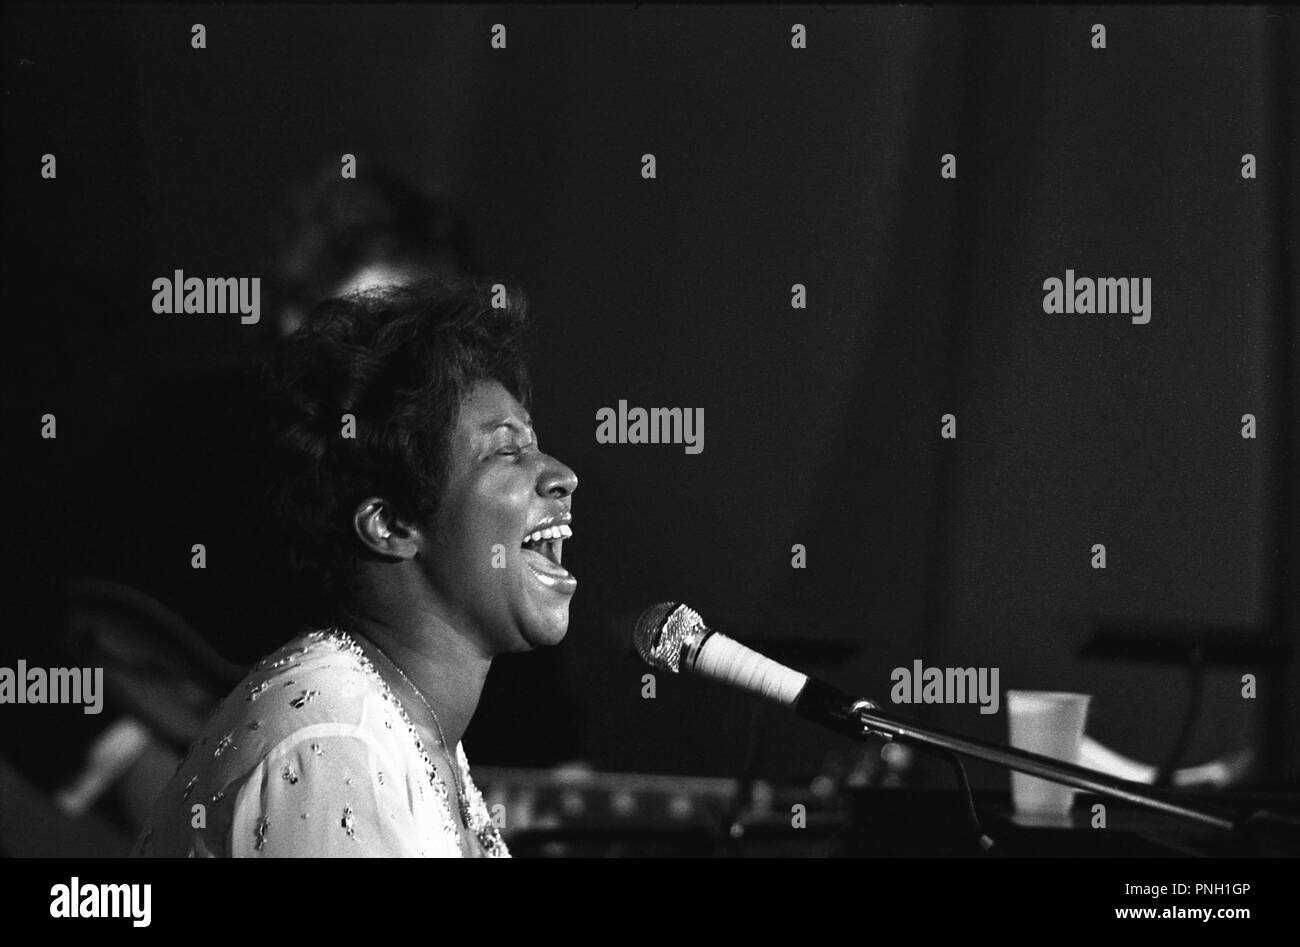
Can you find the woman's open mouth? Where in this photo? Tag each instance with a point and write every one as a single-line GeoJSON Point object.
{"type": "Point", "coordinates": [543, 551]}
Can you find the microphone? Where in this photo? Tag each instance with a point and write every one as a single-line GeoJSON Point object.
{"type": "Point", "coordinates": [673, 637]}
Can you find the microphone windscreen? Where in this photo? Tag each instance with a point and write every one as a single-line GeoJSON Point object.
{"type": "Point", "coordinates": [652, 645]}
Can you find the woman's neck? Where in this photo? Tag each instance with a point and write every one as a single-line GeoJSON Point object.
{"type": "Point", "coordinates": [444, 668]}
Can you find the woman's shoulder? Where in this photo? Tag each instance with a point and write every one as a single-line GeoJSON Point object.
{"type": "Point", "coordinates": [318, 678]}
{"type": "Point", "coordinates": [320, 656]}
{"type": "Point", "coordinates": [311, 657]}
{"type": "Point", "coordinates": [316, 693]}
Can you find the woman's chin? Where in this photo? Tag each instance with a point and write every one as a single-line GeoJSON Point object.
{"type": "Point", "coordinates": [548, 629]}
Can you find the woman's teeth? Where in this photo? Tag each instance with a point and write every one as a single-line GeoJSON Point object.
{"type": "Point", "coordinates": [550, 532]}
{"type": "Point", "coordinates": [544, 552]}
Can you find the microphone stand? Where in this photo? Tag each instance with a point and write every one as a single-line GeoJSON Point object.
{"type": "Point", "coordinates": [864, 718]}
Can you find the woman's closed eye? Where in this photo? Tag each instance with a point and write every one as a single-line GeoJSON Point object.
{"type": "Point", "coordinates": [515, 448]}
{"type": "Point", "coordinates": [509, 440]}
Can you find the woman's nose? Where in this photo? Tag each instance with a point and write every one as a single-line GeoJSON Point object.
{"type": "Point", "coordinates": [557, 480]}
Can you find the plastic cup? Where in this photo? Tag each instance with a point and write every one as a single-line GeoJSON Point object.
{"type": "Point", "coordinates": [1049, 723]}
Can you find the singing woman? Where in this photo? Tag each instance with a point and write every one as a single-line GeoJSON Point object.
{"type": "Point", "coordinates": [426, 530]}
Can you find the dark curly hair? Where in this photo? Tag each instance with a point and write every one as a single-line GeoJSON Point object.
{"type": "Point", "coordinates": [399, 359]}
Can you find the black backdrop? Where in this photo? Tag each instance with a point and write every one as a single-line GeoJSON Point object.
{"type": "Point", "coordinates": [775, 166]}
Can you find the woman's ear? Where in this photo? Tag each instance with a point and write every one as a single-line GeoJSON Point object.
{"type": "Point", "coordinates": [384, 533]}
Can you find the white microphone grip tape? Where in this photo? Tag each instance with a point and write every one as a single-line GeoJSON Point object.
{"type": "Point", "coordinates": [729, 661]}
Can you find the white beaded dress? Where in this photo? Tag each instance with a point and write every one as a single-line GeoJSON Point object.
{"type": "Point", "coordinates": [312, 755]}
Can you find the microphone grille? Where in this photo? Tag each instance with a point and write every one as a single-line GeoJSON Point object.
{"type": "Point", "coordinates": [663, 631]}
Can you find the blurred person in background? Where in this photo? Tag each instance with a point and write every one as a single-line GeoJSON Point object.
{"type": "Point", "coordinates": [338, 236]}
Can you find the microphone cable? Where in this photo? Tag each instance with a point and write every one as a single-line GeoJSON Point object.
{"type": "Point", "coordinates": [986, 842]}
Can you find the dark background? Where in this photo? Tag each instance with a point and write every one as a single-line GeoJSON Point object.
{"type": "Point", "coordinates": [775, 166]}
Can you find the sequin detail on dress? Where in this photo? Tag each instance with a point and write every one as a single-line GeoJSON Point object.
{"type": "Point", "coordinates": [410, 782]}
{"type": "Point", "coordinates": [263, 825]}
{"type": "Point", "coordinates": [481, 823]}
